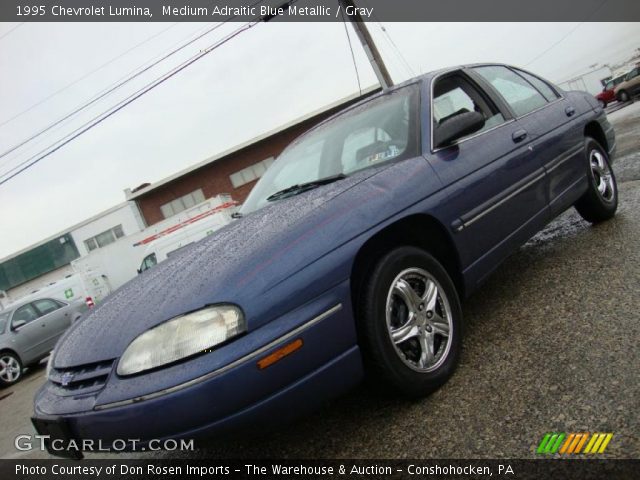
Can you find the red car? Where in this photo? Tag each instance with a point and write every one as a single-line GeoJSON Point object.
{"type": "Point", "coordinates": [607, 95]}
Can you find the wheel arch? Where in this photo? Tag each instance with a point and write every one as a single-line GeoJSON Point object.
{"type": "Point", "coordinates": [419, 230]}
{"type": "Point", "coordinates": [13, 352]}
{"type": "Point", "coordinates": [594, 130]}
{"type": "Point", "coordinates": [620, 93]}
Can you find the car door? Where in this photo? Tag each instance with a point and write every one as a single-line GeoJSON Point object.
{"type": "Point", "coordinates": [29, 337]}
{"type": "Point", "coordinates": [56, 318]}
{"type": "Point", "coordinates": [547, 120]}
{"type": "Point", "coordinates": [497, 195]}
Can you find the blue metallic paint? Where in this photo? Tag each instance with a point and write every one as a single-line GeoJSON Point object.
{"type": "Point", "coordinates": [291, 261]}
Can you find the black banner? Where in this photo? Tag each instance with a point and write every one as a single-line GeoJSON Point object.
{"type": "Point", "coordinates": [344, 469]}
{"type": "Point", "coordinates": [316, 10]}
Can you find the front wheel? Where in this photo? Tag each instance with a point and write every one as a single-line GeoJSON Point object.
{"type": "Point", "coordinates": [10, 369]}
{"type": "Point", "coordinates": [600, 201]}
{"type": "Point", "coordinates": [410, 323]}
{"type": "Point", "coordinates": [623, 96]}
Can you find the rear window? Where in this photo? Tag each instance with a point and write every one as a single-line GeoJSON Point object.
{"type": "Point", "coordinates": [46, 306]}
{"type": "Point", "coordinates": [540, 85]}
{"type": "Point", "coordinates": [521, 96]}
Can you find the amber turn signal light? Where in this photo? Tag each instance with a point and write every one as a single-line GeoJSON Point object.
{"type": "Point", "coordinates": [280, 354]}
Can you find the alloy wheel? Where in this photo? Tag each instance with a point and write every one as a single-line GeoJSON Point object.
{"type": "Point", "coordinates": [602, 176]}
{"type": "Point", "coordinates": [9, 369]}
{"type": "Point", "coordinates": [419, 320]}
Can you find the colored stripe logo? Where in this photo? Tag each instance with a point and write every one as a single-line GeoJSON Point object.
{"type": "Point", "coordinates": [574, 443]}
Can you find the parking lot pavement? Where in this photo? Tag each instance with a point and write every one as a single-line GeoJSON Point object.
{"type": "Point", "coordinates": [551, 345]}
{"type": "Point", "coordinates": [16, 407]}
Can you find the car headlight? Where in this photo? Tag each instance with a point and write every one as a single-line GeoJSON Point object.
{"type": "Point", "coordinates": [182, 337]}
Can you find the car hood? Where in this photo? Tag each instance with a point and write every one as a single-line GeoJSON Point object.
{"type": "Point", "coordinates": [238, 264]}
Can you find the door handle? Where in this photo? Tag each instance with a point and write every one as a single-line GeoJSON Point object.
{"type": "Point", "coordinates": [569, 111]}
{"type": "Point", "coordinates": [519, 135]}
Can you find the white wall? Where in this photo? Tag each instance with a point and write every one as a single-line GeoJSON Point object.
{"type": "Point", "coordinates": [127, 215]}
{"type": "Point", "coordinates": [37, 283]}
{"type": "Point", "coordinates": [119, 260]}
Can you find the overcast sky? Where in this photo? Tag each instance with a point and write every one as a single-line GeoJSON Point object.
{"type": "Point", "coordinates": [261, 79]}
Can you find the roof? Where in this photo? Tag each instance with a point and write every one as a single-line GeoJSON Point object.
{"type": "Point", "coordinates": [365, 92]}
{"type": "Point", "coordinates": [66, 231]}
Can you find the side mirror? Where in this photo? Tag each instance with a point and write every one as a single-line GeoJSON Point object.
{"type": "Point", "coordinates": [18, 324]}
{"type": "Point", "coordinates": [139, 270]}
{"type": "Point", "coordinates": [457, 127]}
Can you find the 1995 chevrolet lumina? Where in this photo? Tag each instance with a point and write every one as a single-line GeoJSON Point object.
{"type": "Point", "coordinates": [351, 257]}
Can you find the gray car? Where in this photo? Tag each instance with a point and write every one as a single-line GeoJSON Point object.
{"type": "Point", "coordinates": [29, 330]}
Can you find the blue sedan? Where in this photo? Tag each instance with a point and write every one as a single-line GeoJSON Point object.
{"type": "Point", "coordinates": [351, 258]}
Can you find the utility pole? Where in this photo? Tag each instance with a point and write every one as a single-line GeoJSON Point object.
{"type": "Point", "coordinates": [367, 43]}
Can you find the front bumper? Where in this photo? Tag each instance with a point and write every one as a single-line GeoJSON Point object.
{"type": "Point", "coordinates": [236, 397]}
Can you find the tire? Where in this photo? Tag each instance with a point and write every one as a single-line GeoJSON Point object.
{"type": "Point", "coordinates": [10, 369]}
{"type": "Point", "coordinates": [602, 103]}
{"type": "Point", "coordinates": [623, 96]}
{"type": "Point", "coordinates": [600, 201]}
{"type": "Point", "coordinates": [404, 366]}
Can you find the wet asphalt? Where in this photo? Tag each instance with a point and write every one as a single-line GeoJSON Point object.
{"type": "Point", "coordinates": [551, 344]}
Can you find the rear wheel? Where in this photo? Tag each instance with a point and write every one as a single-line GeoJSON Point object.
{"type": "Point", "coordinates": [600, 201]}
{"type": "Point", "coordinates": [10, 369]}
{"type": "Point", "coordinates": [410, 323]}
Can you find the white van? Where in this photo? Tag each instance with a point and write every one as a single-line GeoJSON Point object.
{"type": "Point", "coordinates": [67, 289]}
{"type": "Point", "coordinates": [169, 244]}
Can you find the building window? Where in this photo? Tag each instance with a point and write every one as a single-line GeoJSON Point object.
{"type": "Point", "coordinates": [180, 204]}
{"type": "Point", "coordinates": [105, 238]}
{"type": "Point", "coordinates": [251, 173]}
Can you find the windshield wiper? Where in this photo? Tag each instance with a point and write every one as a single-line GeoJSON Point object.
{"type": "Point", "coordinates": [303, 187]}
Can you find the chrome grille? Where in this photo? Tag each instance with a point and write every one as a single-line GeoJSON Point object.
{"type": "Point", "coordinates": [82, 379]}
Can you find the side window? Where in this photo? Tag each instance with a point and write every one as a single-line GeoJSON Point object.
{"type": "Point", "coordinates": [46, 305]}
{"type": "Point", "coordinates": [521, 96]}
{"type": "Point", "coordinates": [540, 85]}
{"type": "Point", "coordinates": [454, 95]}
{"type": "Point", "coordinates": [148, 262]}
{"type": "Point", "coordinates": [25, 313]}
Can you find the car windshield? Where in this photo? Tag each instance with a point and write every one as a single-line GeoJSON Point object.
{"type": "Point", "coordinates": [378, 131]}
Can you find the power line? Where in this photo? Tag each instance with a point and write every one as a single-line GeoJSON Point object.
{"type": "Point", "coordinates": [100, 118]}
{"type": "Point", "coordinates": [104, 93]}
{"type": "Point", "coordinates": [118, 85]}
{"type": "Point", "coordinates": [353, 57]}
{"type": "Point", "coordinates": [400, 55]}
{"type": "Point", "coordinates": [120, 81]}
{"type": "Point", "coordinates": [544, 52]}
{"type": "Point", "coordinates": [596, 10]}
{"type": "Point", "coordinates": [11, 30]}
{"type": "Point", "coordinates": [403, 60]}
{"type": "Point", "coordinates": [79, 79]}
